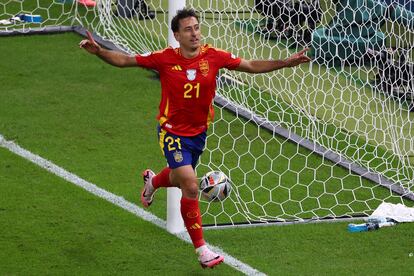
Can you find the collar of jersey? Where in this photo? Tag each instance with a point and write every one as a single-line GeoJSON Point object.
{"type": "Point", "coordinates": [203, 50]}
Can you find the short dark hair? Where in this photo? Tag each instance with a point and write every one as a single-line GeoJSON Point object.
{"type": "Point", "coordinates": [181, 14]}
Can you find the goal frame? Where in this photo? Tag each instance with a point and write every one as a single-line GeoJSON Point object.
{"type": "Point", "coordinates": [174, 220]}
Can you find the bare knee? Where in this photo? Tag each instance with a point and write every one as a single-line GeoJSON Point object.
{"type": "Point", "coordinates": [185, 178]}
{"type": "Point", "coordinates": [189, 188]}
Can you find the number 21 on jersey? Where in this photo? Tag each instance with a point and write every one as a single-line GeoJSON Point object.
{"type": "Point", "coordinates": [191, 90]}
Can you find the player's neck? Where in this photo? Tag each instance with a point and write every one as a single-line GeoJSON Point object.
{"type": "Point", "coordinates": [189, 53]}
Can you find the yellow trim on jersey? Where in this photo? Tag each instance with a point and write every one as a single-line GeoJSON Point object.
{"type": "Point", "coordinates": [220, 50]}
{"type": "Point", "coordinates": [162, 138]}
{"type": "Point", "coordinates": [164, 117]}
{"type": "Point", "coordinates": [203, 49]}
{"type": "Point", "coordinates": [209, 117]}
{"type": "Point", "coordinates": [160, 51]}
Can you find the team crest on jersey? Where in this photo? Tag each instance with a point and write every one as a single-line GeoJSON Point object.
{"type": "Point", "coordinates": [191, 74]}
{"type": "Point", "coordinates": [204, 67]}
{"type": "Point", "coordinates": [178, 156]}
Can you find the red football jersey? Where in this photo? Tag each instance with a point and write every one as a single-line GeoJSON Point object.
{"type": "Point", "coordinates": [188, 86]}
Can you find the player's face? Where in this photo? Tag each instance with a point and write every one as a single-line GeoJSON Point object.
{"type": "Point", "coordinates": [189, 33]}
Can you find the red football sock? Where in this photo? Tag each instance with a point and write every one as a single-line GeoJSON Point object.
{"type": "Point", "coordinates": [162, 179]}
{"type": "Point", "coordinates": [192, 220]}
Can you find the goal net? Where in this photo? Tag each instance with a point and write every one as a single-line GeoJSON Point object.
{"type": "Point", "coordinates": [329, 139]}
{"type": "Point", "coordinates": [26, 16]}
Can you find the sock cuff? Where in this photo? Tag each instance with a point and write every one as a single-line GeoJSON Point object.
{"type": "Point", "coordinates": [201, 248]}
{"type": "Point", "coordinates": [162, 179]}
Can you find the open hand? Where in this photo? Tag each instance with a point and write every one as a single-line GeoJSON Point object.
{"type": "Point", "coordinates": [89, 44]}
{"type": "Point", "coordinates": [298, 58]}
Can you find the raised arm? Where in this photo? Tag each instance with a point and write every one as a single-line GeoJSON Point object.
{"type": "Point", "coordinates": [264, 66]}
{"type": "Point", "coordinates": [114, 58]}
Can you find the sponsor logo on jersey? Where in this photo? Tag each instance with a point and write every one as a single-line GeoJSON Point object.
{"type": "Point", "coordinates": [176, 68]}
{"type": "Point", "coordinates": [204, 68]}
{"type": "Point", "coordinates": [191, 74]}
{"type": "Point", "coordinates": [233, 56]}
{"type": "Point", "coordinates": [178, 156]}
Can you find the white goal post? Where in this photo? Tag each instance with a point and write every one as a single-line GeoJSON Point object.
{"type": "Point", "coordinates": [175, 223]}
{"type": "Point", "coordinates": [327, 140]}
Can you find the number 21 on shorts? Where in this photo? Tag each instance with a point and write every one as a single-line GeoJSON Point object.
{"type": "Point", "coordinates": [173, 144]}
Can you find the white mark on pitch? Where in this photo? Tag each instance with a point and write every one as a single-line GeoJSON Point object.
{"type": "Point", "coordinates": [114, 199]}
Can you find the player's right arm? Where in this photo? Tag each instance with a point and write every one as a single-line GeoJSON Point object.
{"type": "Point", "coordinates": [114, 58]}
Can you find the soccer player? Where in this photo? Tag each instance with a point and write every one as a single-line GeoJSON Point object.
{"type": "Point", "coordinates": [188, 84]}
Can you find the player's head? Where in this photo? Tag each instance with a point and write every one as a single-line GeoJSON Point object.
{"type": "Point", "coordinates": [186, 29]}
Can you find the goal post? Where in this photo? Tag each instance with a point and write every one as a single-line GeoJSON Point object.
{"type": "Point", "coordinates": [329, 139]}
{"type": "Point", "coordinates": [175, 223]}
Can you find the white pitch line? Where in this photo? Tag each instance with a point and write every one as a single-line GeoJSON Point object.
{"type": "Point", "coordinates": [116, 200]}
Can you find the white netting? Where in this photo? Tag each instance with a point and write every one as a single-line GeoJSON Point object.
{"type": "Point", "coordinates": [354, 98]}
{"type": "Point", "coordinates": [26, 15]}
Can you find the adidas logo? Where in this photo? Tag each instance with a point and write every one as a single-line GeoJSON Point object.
{"type": "Point", "coordinates": [176, 68]}
{"type": "Point", "coordinates": [195, 226]}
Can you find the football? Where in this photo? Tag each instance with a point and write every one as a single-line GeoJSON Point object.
{"type": "Point", "coordinates": [215, 186]}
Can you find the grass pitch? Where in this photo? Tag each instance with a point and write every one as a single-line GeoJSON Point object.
{"type": "Point", "coordinates": [98, 122]}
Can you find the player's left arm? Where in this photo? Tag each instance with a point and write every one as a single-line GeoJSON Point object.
{"type": "Point", "coordinates": [264, 66]}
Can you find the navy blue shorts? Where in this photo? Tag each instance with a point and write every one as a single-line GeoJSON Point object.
{"type": "Point", "coordinates": [181, 150]}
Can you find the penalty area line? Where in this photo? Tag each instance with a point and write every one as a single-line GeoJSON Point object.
{"type": "Point", "coordinates": [116, 200]}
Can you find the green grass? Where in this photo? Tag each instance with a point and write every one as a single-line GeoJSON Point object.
{"type": "Point", "coordinates": [278, 179]}
{"type": "Point", "coordinates": [342, 102]}
{"type": "Point", "coordinates": [49, 226]}
{"type": "Point", "coordinates": [53, 227]}
{"type": "Point", "coordinates": [89, 118]}
{"type": "Point", "coordinates": [340, 98]}
{"type": "Point", "coordinates": [240, 159]}
{"type": "Point", "coordinates": [111, 113]}
{"type": "Point", "coordinates": [349, 144]}
{"type": "Point", "coordinates": [99, 123]}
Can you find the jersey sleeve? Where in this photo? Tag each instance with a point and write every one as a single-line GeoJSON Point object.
{"type": "Point", "coordinates": [148, 60]}
{"type": "Point", "coordinates": [227, 59]}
